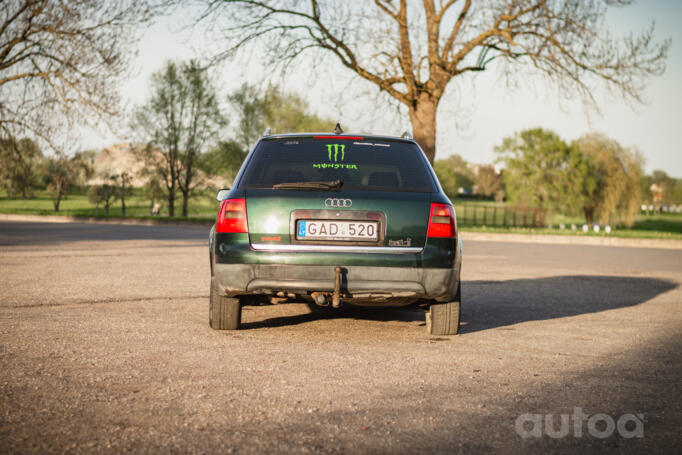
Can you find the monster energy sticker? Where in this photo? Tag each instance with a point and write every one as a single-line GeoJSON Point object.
{"type": "Point", "coordinates": [335, 157]}
{"type": "Point", "coordinates": [335, 166]}
{"type": "Point", "coordinates": [335, 147]}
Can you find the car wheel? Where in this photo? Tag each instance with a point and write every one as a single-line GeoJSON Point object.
{"type": "Point", "coordinates": [443, 318]}
{"type": "Point", "coordinates": [224, 313]}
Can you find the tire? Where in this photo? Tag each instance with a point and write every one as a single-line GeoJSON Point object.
{"type": "Point", "coordinates": [443, 318]}
{"type": "Point", "coordinates": [223, 313]}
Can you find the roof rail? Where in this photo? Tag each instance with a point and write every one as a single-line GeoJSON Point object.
{"type": "Point", "coordinates": [337, 129]}
{"type": "Point", "coordinates": [266, 132]}
{"type": "Point", "coordinates": [407, 135]}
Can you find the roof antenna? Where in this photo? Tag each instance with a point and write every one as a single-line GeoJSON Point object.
{"type": "Point", "coordinates": [267, 132]}
{"type": "Point", "coordinates": [407, 135]}
{"type": "Point", "coordinates": [337, 129]}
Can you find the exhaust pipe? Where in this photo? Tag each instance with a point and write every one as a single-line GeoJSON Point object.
{"type": "Point", "coordinates": [320, 298]}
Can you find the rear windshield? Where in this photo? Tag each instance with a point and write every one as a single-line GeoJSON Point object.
{"type": "Point", "coordinates": [359, 164]}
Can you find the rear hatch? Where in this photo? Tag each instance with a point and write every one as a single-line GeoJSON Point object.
{"type": "Point", "coordinates": [338, 190]}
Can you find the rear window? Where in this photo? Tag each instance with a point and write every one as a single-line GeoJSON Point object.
{"type": "Point", "coordinates": [359, 164]}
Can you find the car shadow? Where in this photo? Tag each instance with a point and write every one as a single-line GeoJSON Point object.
{"type": "Point", "coordinates": [492, 304]}
{"type": "Point", "coordinates": [408, 314]}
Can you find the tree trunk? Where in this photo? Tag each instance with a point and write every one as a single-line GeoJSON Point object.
{"type": "Point", "coordinates": [123, 195]}
{"type": "Point", "coordinates": [185, 189]}
{"type": "Point", "coordinates": [58, 199]}
{"type": "Point", "coordinates": [423, 117]}
{"type": "Point", "coordinates": [589, 215]}
{"type": "Point", "coordinates": [185, 203]}
{"type": "Point", "coordinates": [171, 201]}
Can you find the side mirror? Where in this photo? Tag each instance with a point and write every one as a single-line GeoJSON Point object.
{"type": "Point", "coordinates": [222, 194]}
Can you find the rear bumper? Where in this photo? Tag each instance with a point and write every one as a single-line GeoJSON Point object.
{"type": "Point", "coordinates": [357, 281]}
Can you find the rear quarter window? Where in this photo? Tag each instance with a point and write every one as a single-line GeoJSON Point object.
{"type": "Point", "coordinates": [361, 164]}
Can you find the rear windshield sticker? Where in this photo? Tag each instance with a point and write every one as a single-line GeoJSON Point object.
{"type": "Point", "coordinates": [375, 144]}
{"type": "Point", "coordinates": [334, 149]}
{"type": "Point", "coordinates": [335, 166]}
{"type": "Point", "coordinates": [336, 153]}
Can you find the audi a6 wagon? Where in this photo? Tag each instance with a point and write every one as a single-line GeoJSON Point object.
{"type": "Point", "coordinates": [334, 219]}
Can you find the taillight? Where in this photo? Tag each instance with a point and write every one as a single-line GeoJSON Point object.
{"type": "Point", "coordinates": [232, 216]}
{"type": "Point", "coordinates": [442, 221]}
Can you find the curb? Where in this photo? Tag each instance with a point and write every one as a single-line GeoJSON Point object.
{"type": "Point", "coordinates": [473, 236]}
{"type": "Point", "coordinates": [95, 220]}
{"type": "Point", "coordinates": [573, 240]}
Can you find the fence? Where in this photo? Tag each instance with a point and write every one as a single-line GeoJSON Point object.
{"type": "Point", "coordinates": [477, 215]}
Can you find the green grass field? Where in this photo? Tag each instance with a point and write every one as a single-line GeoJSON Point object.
{"type": "Point", "coordinates": [203, 206]}
{"type": "Point", "coordinates": [622, 232]}
{"type": "Point", "coordinates": [664, 226]}
{"type": "Point", "coordinates": [77, 204]}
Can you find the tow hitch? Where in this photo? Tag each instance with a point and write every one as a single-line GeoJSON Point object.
{"type": "Point", "coordinates": [336, 297]}
{"type": "Point", "coordinates": [322, 298]}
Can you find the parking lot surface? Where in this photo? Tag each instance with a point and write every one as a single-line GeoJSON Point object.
{"type": "Point", "coordinates": [105, 347]}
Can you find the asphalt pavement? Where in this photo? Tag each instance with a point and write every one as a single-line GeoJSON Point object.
{"type": "Point", "coordinates": [105, 347]}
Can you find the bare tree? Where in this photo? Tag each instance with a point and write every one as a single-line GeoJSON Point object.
{"type": "Point", "coordinates": [204, 121]}
{"type": "Point", "coordinates": [60, 61]}
{"type": "Point", "coordinates": [159, 121]}
{"type": "Point", "coordinates": [412, 50]}
{"type": "Point", "coordinates": [178, 121]}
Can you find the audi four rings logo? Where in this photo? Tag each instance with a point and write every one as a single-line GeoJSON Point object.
{"type": "Point", "coordinates": [333, 202]}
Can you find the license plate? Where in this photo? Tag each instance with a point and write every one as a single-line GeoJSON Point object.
{"type": "Point", "coordinates": [337, 230]}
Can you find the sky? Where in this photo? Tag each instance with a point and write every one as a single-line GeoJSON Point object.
{"type": "Point", "coordinates": [475, 115]}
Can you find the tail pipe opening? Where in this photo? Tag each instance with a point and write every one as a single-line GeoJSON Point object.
{"type": "Point", "coordinates": [320, 298]}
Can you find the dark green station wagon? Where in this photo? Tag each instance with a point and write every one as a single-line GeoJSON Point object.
{"type": "Point", "coordinates": [336, 218]}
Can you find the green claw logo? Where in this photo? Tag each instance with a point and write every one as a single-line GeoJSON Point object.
{"type": "Point", "coordinates": [336, 151]}
{"type": "Point", "coordinates": [334, 164]}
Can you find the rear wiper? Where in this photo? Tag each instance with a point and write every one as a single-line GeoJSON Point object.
{"type": "Point", "coordinates": [313, 186]}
